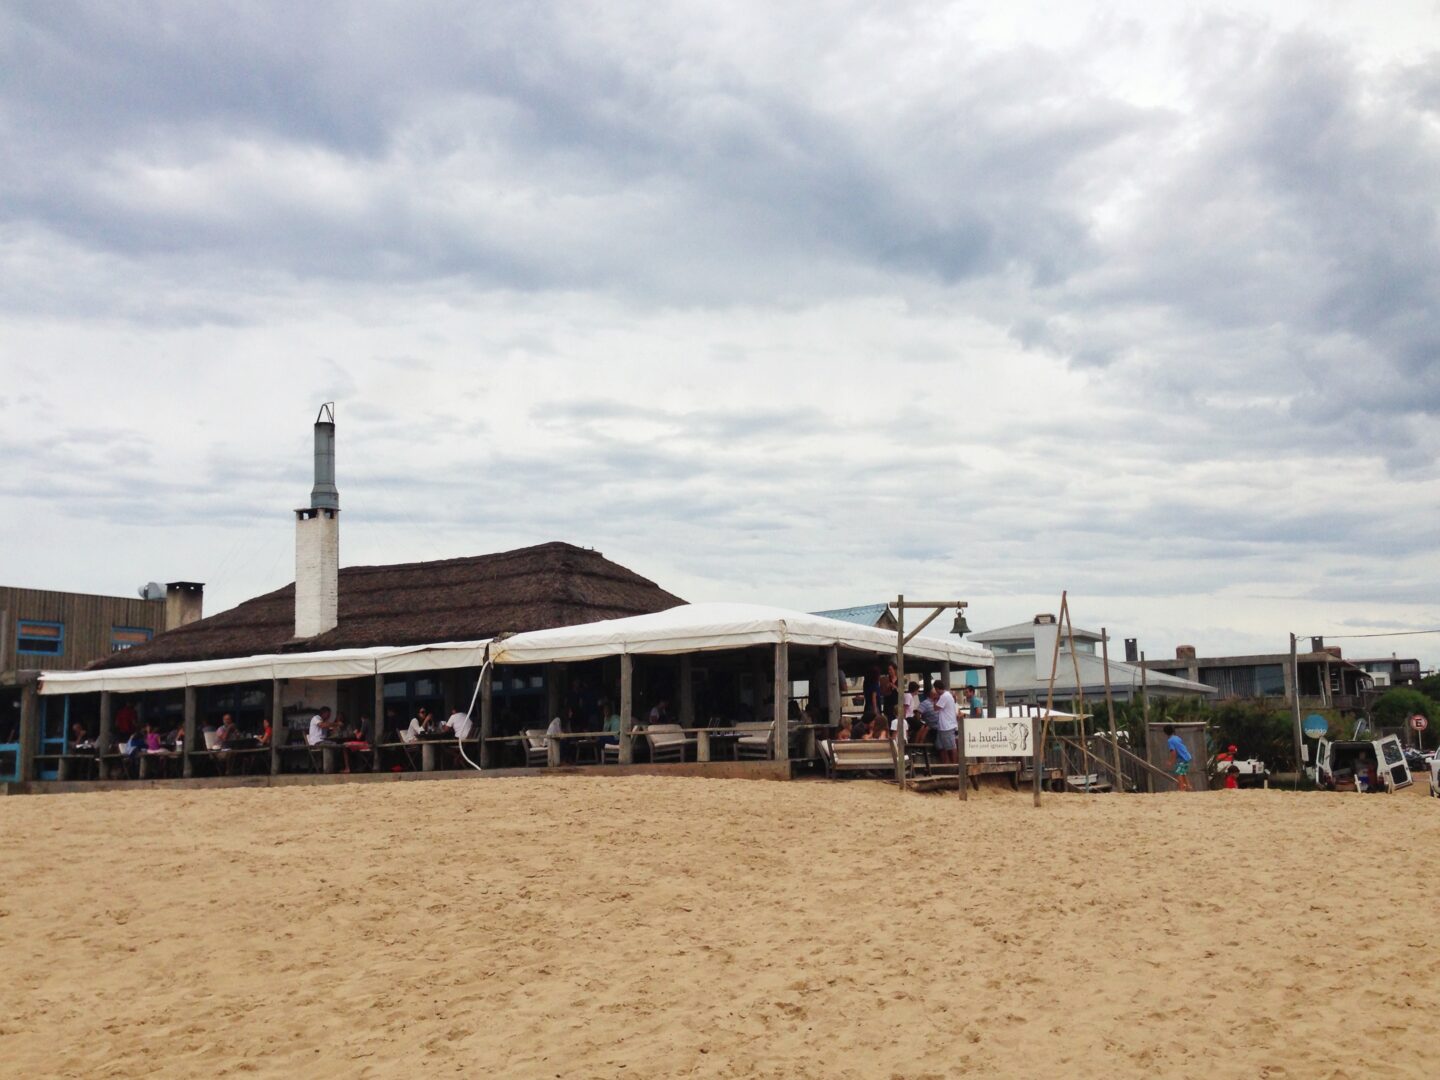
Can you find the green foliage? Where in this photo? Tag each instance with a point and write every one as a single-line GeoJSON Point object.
{"type": "Point", "coordinates": [1400, 703]}
{"type": "Point", "coordinates": [1430, 686]}
{"type": "Point", "coordinates": [1256, 729]}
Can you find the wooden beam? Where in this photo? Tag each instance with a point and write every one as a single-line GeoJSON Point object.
{"type": "Point", "coordinates": [782, 701]}
{"type": "Point", "coordinates": [278, 734]}
{"type": "Point", "coordinates": [834, 699]}
{"type": "Point", "coordinates": [487, 716]}
{"type": "Point", "coordinates": [1110, 707]}
{"type": "Point", "coordinates": [627, 708]}
{"type": "Point", "coordinates": [29, 728]}
{"type": "Point", "coordinates": [924, 623]}
{"type": "Point", "coordinates": [105, 735]}
{"type": "Point", "coordinates": [901, 732]}
{"type": "Point", "coordinates": [685, 707]}
{"type": "Point", "coordinates": [192, 730]}
{"type": "Point", "coordinates": [552, 692]}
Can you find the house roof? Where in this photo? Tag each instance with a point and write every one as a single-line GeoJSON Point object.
{"type": "Point", "coordinates": [1021, 678]}
{"type": "Point", "coordinates": [1025, 631]}
{"type": "Point", "coordinates": [465, 599]}
{"type": "Point", "coordinates": [864, 615]}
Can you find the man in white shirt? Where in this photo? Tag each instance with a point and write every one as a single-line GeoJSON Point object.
{"type": "Point", "coordinates": [319, 727]}
{"type": "Point", "coordinates": [947, 725]}
{"type": "Point", "coordinates": [460, 724]}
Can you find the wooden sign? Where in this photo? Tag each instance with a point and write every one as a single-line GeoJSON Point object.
{"type": "Point", "coordinates": [998, 736]}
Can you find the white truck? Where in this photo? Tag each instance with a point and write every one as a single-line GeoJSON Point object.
{"type": "Point", "coordinates": [1346, 765]}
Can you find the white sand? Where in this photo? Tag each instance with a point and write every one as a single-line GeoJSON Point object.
{"type": "Point", "coordinates": [645, 927]}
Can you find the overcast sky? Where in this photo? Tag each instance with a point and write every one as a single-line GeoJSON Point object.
{"type": "Point", "coordinates": [802, 304]}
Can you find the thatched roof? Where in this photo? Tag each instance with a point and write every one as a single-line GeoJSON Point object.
{"type": "Point", "coordinates": [468, 599]}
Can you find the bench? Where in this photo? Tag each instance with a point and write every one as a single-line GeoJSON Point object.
{"type": "Point", "coordinates": [857, 756]}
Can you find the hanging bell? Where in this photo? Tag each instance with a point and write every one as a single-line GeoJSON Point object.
{"type": "Point", "coordinates": [961, 627]}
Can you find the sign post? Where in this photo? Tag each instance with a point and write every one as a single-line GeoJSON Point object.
{"type": "Point", "coordinates": [1419, 723]}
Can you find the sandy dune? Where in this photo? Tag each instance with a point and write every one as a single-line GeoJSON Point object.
{"type": "Point", "coordinates": [647, 927]}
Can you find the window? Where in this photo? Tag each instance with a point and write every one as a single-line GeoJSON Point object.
{"type": "Point", "coordinates": [40, 638]}
{"type": "Point", "coordinates": [126, 637]}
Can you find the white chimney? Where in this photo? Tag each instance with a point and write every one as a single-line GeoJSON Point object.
{"type": "Point", "coordinates": [317, 539]}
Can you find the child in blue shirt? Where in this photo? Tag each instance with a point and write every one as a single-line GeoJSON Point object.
{"type": "Point", "coordinates": [1179, 759]}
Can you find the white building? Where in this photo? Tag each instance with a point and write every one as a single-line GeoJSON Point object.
{"type": "Point", "coordinates": [1024, 653]}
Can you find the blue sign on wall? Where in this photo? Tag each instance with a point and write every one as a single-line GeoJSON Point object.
{"type": "Point", "coordinates": [1315, 726]}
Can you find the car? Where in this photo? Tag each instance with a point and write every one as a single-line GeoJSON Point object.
{"type": "Point", "coordinates": [1418, 761]}
{"type": "Point", "coordinates": [1435, 774]}
{"type": "Point", "coordinates": [1336, 763]}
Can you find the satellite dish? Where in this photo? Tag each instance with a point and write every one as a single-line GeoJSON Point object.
{"type": "Point", "coordinates": [152, 590]}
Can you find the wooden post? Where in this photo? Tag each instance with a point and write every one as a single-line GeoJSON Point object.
{"type": "Point", "coordinates": [278, 732]}
{"type": "Point", "coordinates": [832, 686]}
{"type": "Point", "coordinates": [487, 715]}
{"type": "Point", "coordinates": [552, 692]}
{"type": "Point", "coordinates": [1035, 735]}
{"type": "Point", "coordinates": [29, 726]}
{"type": "Point", "coordinates": [782, 701]}
{"type": "Point", "coordinates": [1295, 708]}
{"type": "Point", "coordinates": [192, 731]}
{"type": "Point", "coordinates": [685, 707]}
{"type": "Point", "coordinates": [106, 734]}
{"type": "Point", "coordinates": [377, 721]}
{"type": "Point", "coordinates": [1145, 716]}
{"type": "Point", "coordinates": [900, 730]}
{"type": "Point", "coordinates": [964, 770]}
{"type": "Point", "coordinates": [1079, 701]}
{"type": "Point", "coordinates": [990, 708]}
{"type": "Point", "coordinates": [627, 708]}
{"type": "Point", "coordinates": [1110, 707]}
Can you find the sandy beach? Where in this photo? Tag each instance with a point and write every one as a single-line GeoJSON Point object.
{"type": "Point", "coordinates": [652, 927]}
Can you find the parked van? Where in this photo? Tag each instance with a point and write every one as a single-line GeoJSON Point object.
{"type": "Point", "coordinates": [1336, 763]}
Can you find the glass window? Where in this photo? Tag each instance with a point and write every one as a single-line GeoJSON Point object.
{"type": "Point", "coordinates": [40, 638]}
{"type": "Point", "coordinates": [127, 637]}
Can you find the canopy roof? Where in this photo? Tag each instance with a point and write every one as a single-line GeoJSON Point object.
{"type": "Point", "coordinates": [710, 627]}
{"type": "Point", "coordinates": [334, 664]}
{"type": "Point", "coordinates": [684, 629]}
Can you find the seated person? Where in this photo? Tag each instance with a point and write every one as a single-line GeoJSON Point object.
{"type": "Point", "coordinates": [319, 727]}
{"type": "Point", "coordinates": [842, 734]}
{"type": "Point", "coordinates": [861, 727]}
{"type": "Point", "coordinates": [227, 732]}
{"type": "Point", "coordinates": [153, 742]}
{"type": "Point", "coordinates": [660, 714]}
{"type": "Point", "coordinates": [612, 724]}
{"type": "Point", "coordinates": [266, 733]}
{"type": "Point", "coordinates": [460, 725]}
{"type": "Point", "coordinates": [879, 729]}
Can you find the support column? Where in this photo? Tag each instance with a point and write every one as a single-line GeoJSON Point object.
{"type": "Point", "coordinates": [685, 707]}
{"type": "Point", "coordinates": [627, 708]}
{"type": "Point", "coordinates": [782, 701]}
{"type": "Point", "coordinates": [377, 720]}
{"type": "Point", "coordinates": [278, 731]}
{"type": "Point", "coordinates": [29, 725]}
{"type": "Point", "coordinates": [834, 699]}
{"type": "Point", "coordinates": [192, 730]}
{"type": "Point", "coordinates": [990, 708]}
{"type": "Point", "coordinates": [487, 716]}
{"type": "Point", "coordinates": [105, 734]}
{"type": "Point", "coordinates": [552, 692]}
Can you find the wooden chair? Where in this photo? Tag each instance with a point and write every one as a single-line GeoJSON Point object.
{"type": "Point", "coordinates": [537, 747]}
{"type": "Point", "coordinates": [668, 742]}
{"type": "Point", "coordinates": [759, 741]}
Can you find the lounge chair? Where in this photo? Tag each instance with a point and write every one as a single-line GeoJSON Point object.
{"type": "Point", "coordinates": [537, 746]}
{"type": "Point", "coordinates": [668, 742]}
{"type": "Point", "coordinates": [858, 755]}
{"type": "Point", "coordinates": [757, 739]}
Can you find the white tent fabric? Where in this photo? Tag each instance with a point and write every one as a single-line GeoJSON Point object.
{"type": "Point", "coordinates": [335, 664]}
{"type": "Point", "coordinates": [708, 627]}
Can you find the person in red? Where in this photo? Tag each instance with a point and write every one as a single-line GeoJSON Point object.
{"type": "Point", "coordinates": [1232, 778]}
{"type": "Point", "coordinates": [127, 721]}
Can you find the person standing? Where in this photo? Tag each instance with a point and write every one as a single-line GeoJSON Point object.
{"type": "Point", "coordinates": [947, 725]}
{"type": "Point", "coordinates": [1179, 758]}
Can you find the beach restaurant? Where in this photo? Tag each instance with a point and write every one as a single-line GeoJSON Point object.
{"type": "Point", "coordinates": [742, 689]}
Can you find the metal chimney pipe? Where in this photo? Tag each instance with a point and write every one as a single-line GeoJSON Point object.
{"type": "Point", "coordinates": [324, 495]}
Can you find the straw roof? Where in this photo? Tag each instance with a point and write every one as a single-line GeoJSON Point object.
{"type": "Point", "coordinates": [467, 599]}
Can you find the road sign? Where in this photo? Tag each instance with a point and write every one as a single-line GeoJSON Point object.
{"type": "Point", "coordinates": [1418, 722]}
{"type": "Point", "coordinates": [1315, 726]}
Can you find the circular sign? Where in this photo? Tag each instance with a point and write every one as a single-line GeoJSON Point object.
{"type": "Point", "coordinates": [1418, 722]}
{"type": "Point", "coordinates": [1315, 726]}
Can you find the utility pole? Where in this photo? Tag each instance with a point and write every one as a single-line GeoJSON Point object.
{"type": "Point", "coordinates": [1295, 699]}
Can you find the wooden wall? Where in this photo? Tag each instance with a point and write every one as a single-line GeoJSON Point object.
{"type": "Point", "coordinates": [88, 621]}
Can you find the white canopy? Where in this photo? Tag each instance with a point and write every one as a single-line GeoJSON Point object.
{"type": "Point", "coordinates": [335, 664]}
{"type": "Point", "coordinates": [709, 627]}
